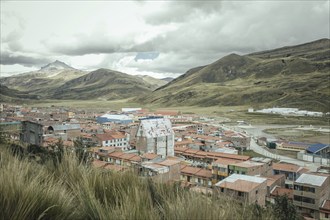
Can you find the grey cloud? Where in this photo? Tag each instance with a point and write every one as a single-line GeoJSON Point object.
{"type": "Point", "coordinates": [180, 11]}
{"type": "Point", "coordinates": [11, 59]}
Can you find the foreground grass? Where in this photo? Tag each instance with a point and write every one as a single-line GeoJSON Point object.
{"type": "Point", "coordinates": [71, 190]}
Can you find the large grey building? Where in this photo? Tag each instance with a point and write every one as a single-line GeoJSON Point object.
{"type": "Point", "coordinates": [155, 135]}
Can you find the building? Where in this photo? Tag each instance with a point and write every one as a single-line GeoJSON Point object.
{"type": "Point", "coordinates": [163, 171]}
{"type": "Point", "coordinates": [118, 119]}
{"type": "Point", "coordinates": [196, 176]}
{"type": "Point", "coordinates": [114, 139]}
{"type": "Point", "coordinates": [32, 133]}
{"type": "Point", "coordinates": [251, 168]}
{"type": "Point", "coordinates": [67, 131]}
{"type": "Point", "coordinates": [155, 135]}
{"type": "Point", "coordinates": [291, 172]}
{"type": "Point", "coordinates": [325, 210]}
{"type": "Point", "coordinates": [220, 169]}
{"type": "Point", "coordinates": [310, 191]}
{"type": "Point", "coordinates": [250, 189]}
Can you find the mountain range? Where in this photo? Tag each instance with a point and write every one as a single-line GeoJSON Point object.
{"type": "Point", "coordinates": [292, 76]}
{"type": "Point", "coordinates": [58, 80]}
{"type": "Point", "coordinates": [295, 76]}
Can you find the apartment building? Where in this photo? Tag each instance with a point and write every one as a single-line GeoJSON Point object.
{"type": "Point", "coordinates": [310, 191]}
{"type": "Point", "coordinates": [291, 172]}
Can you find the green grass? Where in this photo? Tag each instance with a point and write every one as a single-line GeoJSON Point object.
{"type": "Point", "coordinates": [70, 190]}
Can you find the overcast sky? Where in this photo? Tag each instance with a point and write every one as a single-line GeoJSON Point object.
{"type": "Point", "coordinates": [157, 38]}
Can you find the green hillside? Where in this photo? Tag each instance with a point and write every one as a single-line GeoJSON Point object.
{"type": "Point", "coordinates": [296, 76]}
{"type": "Point", "coordinates": [102, 83]}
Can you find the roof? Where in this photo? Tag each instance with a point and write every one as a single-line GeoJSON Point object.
{"type": "Point", "coordinates": [168, 162]}
{"type": "Point", "coordinates": [98, 163]}
{"type": "Point", "coordinates": [155, 127]}
{"type": "Point", "coordinates": [225, 161]}
{"type": "Point", "coordinates": [204, 173]}
{"type": "Point", "coordinates": [190, 170]}
{"type": "Point", "coordinates": [279, 191]}
{"type": "Point", "coordinates": [248, 164]}
{"type": "Point", "coordinates": [311, 179]}
{"type": "Point", "coordinates": [239, 185]}
{"type": "Point", "coordinates": [116, 117]}
{"type": "Point", "coordinates": [317, 147]}
{"type": "Point", "coordinates": [286, 167]}
{"type": "Point", "coordinates": [241, 182]}
{"type": "Point", "coordinates": [66, 127]}
{"type": "Point", "coordinates": [149, 156]}
{"type": "Point", "coordinates": [326, 205]}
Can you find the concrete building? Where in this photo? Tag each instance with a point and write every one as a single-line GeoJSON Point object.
{"type": "Point", "coordinates": [32, 133]}
{"type": "Point", "coordinates": [310, 191]}
{"type": "Point", "coordinates": [66, 131]}
{"type": "Point", "coordinates": [155, 135]}
{"type": "Point", "coordinates": [291, 172]}
{"type": "Point", "coordinates": [119, 119]}
{"type": "Point", "coordinates": [251, 168]}
{"type": "Point", "coordinates": [250, 189]}
{"type": "Point", "coordinates": [114, 139]}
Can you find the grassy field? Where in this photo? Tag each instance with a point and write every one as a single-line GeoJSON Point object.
{"type": "Point", "coordinates": [72, 190]}
{"type": "Point", "coordinates": [234, 113]}
{"type": "Point", "coordinates": [300, 135]}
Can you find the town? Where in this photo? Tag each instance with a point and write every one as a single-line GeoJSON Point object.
{"type": "Point", "coordinates": [204, 154]}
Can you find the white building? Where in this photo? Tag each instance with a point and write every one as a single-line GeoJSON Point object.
{"type": "Point", "coordinates": [118, 140]}
{"type": "Point", "coordinates": [155, 135]}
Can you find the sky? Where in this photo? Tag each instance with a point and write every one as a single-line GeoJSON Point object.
{"type": "Point", "coordinates": [156, 38]}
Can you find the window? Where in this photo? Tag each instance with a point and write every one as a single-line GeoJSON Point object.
{"type": "Point", "coordinates": [297, 198]}
{"type": "Point", "coordinates": [222, 190]}
{"type": "Point", "coordinates": [326, 215]}
{"type": "Point", "coordinates": [256, 191]}
{"type": "Point", "coordinates": [240, 194]}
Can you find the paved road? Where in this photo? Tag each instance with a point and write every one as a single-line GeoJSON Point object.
{"type": "Point", "coordinates": [257, 131]}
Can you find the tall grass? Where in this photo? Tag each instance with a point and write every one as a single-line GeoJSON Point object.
{"type": "Point", "coordinates": [72, 190]}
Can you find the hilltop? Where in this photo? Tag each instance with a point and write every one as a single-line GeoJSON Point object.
{"type": "Point", "coordinates": [295, 76]}
{"type": "Point", "coordinates": [103, 83]}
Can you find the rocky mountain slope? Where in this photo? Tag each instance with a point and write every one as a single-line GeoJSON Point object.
{"type": "Point", "coordinates": [296, 76]}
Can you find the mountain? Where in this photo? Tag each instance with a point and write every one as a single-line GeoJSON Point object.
{"type": "Point", "coordinates": [156, 83]}
{"type": "Point", "coordinates": [295, 76]}
{"type": "Point", "coordinates": [102, 83]}
{"type": "Point", "coordinates": [42, 82]}
{"type": "Point", "coordinates": [167, 79]}
{"type": "Point", "coordinates": [55, 66]}
{"type": "Point", "coordinates": [12, 95]}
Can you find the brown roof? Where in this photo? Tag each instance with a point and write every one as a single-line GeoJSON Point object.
{"type": "Point", "coordinates": [286, 167]}
{"type": "Point", "coordinates": [115, 154]}
{"type": "Point", "coordinates": [204, 173]}
{"type": "Point", "coordinates": [98, 163]}
{"type": "Point", "coordinates": [225, 161]}
{"type": "Point", "coordinates": [114, 167]}
{"type": "Point", "coordinates": [326, 205]}
{"type": "Point", "coordinates": [239, 185]}
{"type": "Point", "coordinates": [190, 170]}
{"type": "Point", "coordinates": [279, 191]}
{"type": "Point", "coordinates": [150, 156]}
{"type": "Point", "coordinates": [127, 156]}
{"type": "Point", "coordinates": [168, 162]}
